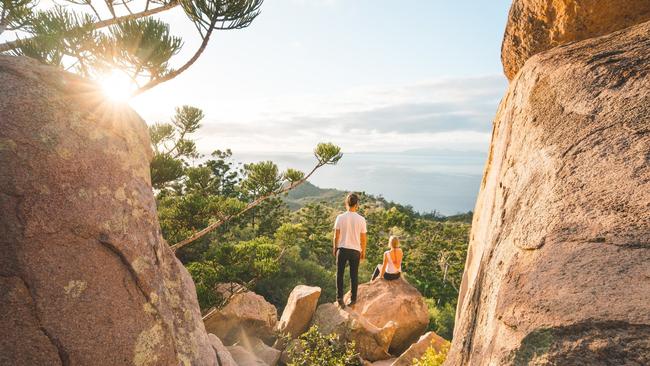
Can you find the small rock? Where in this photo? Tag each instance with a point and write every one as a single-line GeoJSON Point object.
{"type": "Point", "coordinates": [371, 342]}
{"type": "Point", "coordinates": [254, 345]}
{"type": "Point", "coordinates": [245, 358]}
{"type": "Point", "coordinates": [245, 313]}
{"type": "Point", "coordinates": [299, 310]}
{"type": "Point", "coordinates": [417, 349]}
{"type": "Point", "coordinates": [223, 355]}
{"type": "Point", "coordinates": [381, 302]}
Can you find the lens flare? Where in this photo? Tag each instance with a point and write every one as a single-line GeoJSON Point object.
{"type": "Point", "coordinates": [117, 86]}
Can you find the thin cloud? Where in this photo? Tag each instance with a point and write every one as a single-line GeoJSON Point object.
{"type": "Point", "coordinates": [451, 114]}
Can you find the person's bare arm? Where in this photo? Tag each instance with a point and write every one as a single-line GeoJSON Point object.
{"type": "Point", "coordinates": [364, 238]}
{"type": "Point", "coordinates": [383, 268]}
{"type": "Point", "coordinates": [335, 241]}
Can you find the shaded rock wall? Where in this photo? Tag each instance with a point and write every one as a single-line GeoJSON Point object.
{"type": "Point", "coordinates": [85, 276]}
{"type": "Point", "coordinates": [539, 25]}
{"type": "Point", "coordinates": [557, 270]}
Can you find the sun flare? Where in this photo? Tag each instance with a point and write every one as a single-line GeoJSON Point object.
{"type": "Point", "coordinates": [117, 86]}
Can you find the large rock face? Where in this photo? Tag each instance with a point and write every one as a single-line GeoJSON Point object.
{"type": "Point", "coordinates": [85, 276]}
{"type": "Point", "coordinates": [557, 270]}
{"type": "Point", "coordinates": [384, 301]}
{"type": "Point", "coordinates": [539, 25]}
{"type": "Point", "coordinates": [245, 314]}
{"type": "Point", "coordinates": [371, 341]}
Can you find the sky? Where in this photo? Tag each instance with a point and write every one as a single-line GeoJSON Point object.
{"type": "Point", "coordinates": [407, 89]}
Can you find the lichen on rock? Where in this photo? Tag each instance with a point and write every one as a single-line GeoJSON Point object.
{"type": "Point", "coordinates": [560, 234]}
{"type": "Point", "coordinates": [103, 286]}
{"type": "Point", "coordinates": [535, 26]}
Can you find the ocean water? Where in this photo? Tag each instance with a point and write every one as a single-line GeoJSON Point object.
{"type": "Point", "coordinates": [445, 181]}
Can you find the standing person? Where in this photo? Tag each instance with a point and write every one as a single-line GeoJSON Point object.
{"type": "Point", "coordinates": [349, 246]}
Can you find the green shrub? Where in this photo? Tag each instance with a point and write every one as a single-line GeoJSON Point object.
{"type": "Point", "coordinates": [314, 348]}
{"type": "Point", "coordinates": [432, 358]}
{"type": "Point", "coordinates": [441, 319]}
{"type": "Point", "coordinates": [206, 276]}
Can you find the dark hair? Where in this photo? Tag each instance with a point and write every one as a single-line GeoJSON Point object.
{"type": "Point", "coordinates": [352, 199]}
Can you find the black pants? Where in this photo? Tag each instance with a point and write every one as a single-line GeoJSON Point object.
{"type": "Point", "coordinates": [343, 256]}
{"type": "Point", "coordinates": [387, 276]}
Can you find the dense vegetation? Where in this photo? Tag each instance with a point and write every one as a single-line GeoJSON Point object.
{"type": "Point", "coordinates": [286, 240]}
{"type": "Point", "coordinates": [432, 358]}
{"type": "Point", "coordinates": [314, 348]}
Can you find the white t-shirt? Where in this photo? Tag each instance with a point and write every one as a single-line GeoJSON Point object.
{"type": "Point", "coordinates": [351, 226]}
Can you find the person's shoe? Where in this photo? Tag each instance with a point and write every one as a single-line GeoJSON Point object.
{"type": "Point", "coordinates": [341, 303]}
{"type": "Point", "coordinates": [351, 303]}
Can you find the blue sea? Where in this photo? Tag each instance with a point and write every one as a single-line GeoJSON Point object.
{"type": "Point", "coordinates": [445, 181]}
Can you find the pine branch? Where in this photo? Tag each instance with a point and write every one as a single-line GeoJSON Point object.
{"type": "Point", "coordinates": [172, 74]}
{"type": "Point", "coordinates": [15, 14]}
{"type": "Point", "coordinates": [109, 5]}
{"type": "Point", "coordinates": [2, 19]}
{"type": "Point", "coordinates": [124, 3]}
{"type": "Point", "coordinates": [8, 46]}
{"type": "Point", "coordinates": [90, 4]}
{"type": "Point", "coordinates": [246, 286]}
{"type": "Point", "coordinates": [248, 207]}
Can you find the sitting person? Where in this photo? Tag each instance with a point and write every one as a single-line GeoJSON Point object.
{"type": "Point", "coordinates": [392, 266]}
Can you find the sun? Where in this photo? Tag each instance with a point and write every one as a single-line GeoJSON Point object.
{"type": "Point", "coordinates": [117, 86]}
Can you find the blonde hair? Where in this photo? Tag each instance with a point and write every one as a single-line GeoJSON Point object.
{"type": "Point", "coordinates": [393, 241]}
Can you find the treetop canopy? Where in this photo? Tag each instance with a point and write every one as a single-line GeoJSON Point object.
{"type": "Point", "coordinates": [94, 37]}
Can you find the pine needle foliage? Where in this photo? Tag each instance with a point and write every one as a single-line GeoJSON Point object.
{"type": "Point", "coordinates": [93, 37]}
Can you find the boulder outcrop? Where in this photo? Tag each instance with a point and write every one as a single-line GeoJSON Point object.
{"type": "Point", "coordinates": [245, 358]}
{"type": "Point", "coordinates": [417, 349]}
{"type": "Point", "coordinates": [224, 358]}
{"type": "Point", "coordinates": [254, 345]}
{"type": "Point", "coordinates": [381, 302]}
{"type": "Point", "coordinates": [371, 342]}
{"type": "Point", "coordinates": [85, 276]}
{"type": "Point", "coordinates": [299, 310]}
{"type": "Point", "coordinates": [558, 258]}
{"type": "Point", "coordinates": [245, 314]}
{"type": "Point", "coordinates": [539, 25]}
{"type": "Point", "coordinates": [388, 362]}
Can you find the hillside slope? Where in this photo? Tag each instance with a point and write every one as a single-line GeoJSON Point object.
{"type": "Point", "coordinates": [308, 193]}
